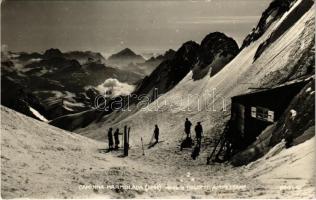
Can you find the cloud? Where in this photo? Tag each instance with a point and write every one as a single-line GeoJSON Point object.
{"type": "Point", "coordinates": [115, 88]}
{"type": "Point", "coordinates": [218, 20]}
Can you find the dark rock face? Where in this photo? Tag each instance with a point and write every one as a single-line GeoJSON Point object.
{"type": "Point", "coordinates": [275, 10]}
{"type": "Point", "coordinates": [286, 24]}
{"type": "Point", "coordinates": [217, 43]}
{"type": "Point", "coordinates": [215, 47]}
{"type": "Point", "coordinates": [168, 55]}
{"type": "Point", "coordinates": [52, 53]}
{"type": "Point", "coordinates": [17, 97]}
{"type": "Point", "coordinates": [298, 117]}
{"type": "Point", "coordinates": [84, 57]}
{"type": "Point", "coordinates": [27, 56]}
{"type": "Point", "coordinates": [170, 72]}
{"type": "Point", "coordinates": [190, 56]}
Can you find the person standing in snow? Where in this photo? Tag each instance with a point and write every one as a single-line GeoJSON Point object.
{"type": "Point", "coordinates": [198, 132]}
{"type": "Point", "coordinates": [187, 127]}
{"type": "Point", "coordinates": [116, 138]}
{"type": "Point", "coordinates": [110, 139]}
{"type": "Point", "coordinates": [156, 133]}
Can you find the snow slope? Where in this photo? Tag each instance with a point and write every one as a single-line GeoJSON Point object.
{"type": "Point", "coordinates": [42, 161]}
{"type": "Point", "coordinates": [291, 170]}
{"type": "Point", "coordinates": [240, 74]}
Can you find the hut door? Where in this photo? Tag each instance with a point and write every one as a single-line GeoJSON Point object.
{"type": "Point", "coordinates": [241, 119]}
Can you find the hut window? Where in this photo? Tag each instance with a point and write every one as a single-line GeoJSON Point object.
{"type": "Point", "coordinates": [253, 112]}
{"type": "Point", "coordinates": [263, 114]}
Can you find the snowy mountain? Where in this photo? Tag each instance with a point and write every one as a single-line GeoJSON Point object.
{"type": "Point", "coordinates": [287, 58]}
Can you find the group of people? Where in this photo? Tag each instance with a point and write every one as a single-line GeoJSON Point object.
{"type": "Point", "coordinates": [187, 143]}
{"type": "Point", "coordinates": [187, 128]}
{"type": "Point", "coordinates": [116, 139]}
{"type": "Point", "coordinates": [198, 130]}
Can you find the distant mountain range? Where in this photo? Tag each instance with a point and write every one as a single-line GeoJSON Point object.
{"type": "Point", "coordinates": [126, 59]}
{"type": "Point", "coordinates": [151, 64]}
{"type": "Point", "coordinates": [55, 83]}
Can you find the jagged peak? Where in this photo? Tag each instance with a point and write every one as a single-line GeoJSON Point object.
{"type": "Point", "coordinates": [217, 38]}
{"type": "Point", "coordinates": [274, 11]}
{"type": "Point", "coordinates": [126, 51]}
{"type": "Point", "coordinates": [52, 53]}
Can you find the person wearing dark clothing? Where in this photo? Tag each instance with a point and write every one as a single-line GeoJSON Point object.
{"type": "Point", "coordinates": [187, 142]}
{"type": "Point", "coordinates": [198, 132]}
{"type": "Point", "coordinates": [110, 139]}
{"type": "Point", "coordinates": [116, 138]}
{"type": "Point", "coordinates": [156, 133]}
{"type": "Point", "coordinates": [187, 127]}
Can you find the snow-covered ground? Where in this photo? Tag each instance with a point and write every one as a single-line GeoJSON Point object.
{"type": "Point", "coordinates": [42, 161]}
{"type": "Point", "coordinates": [291, 170]}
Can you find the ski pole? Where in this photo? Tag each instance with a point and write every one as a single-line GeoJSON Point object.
{"type": "Point", "coordinates": [142, 146]}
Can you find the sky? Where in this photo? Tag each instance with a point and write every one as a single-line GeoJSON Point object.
{"type": "Point", "coordinates": [108, 26]}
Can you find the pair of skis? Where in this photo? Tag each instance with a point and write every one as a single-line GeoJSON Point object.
{"type": "Point", "coordinates": [151, 144]}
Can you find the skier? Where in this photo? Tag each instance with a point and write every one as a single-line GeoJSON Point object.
{"type": "Point", "coordinates": [116, 138]}
{"type": "Point", "coordinates": [187, 127]}
{"type": "Point", "coordinates": [198, 132]}
{"type": "Point", "coordinates": [197, 148]}
{"type": "Point", "coordinates": [110, 139]}
{"type": "Point", "coordinates": [156, 133]}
